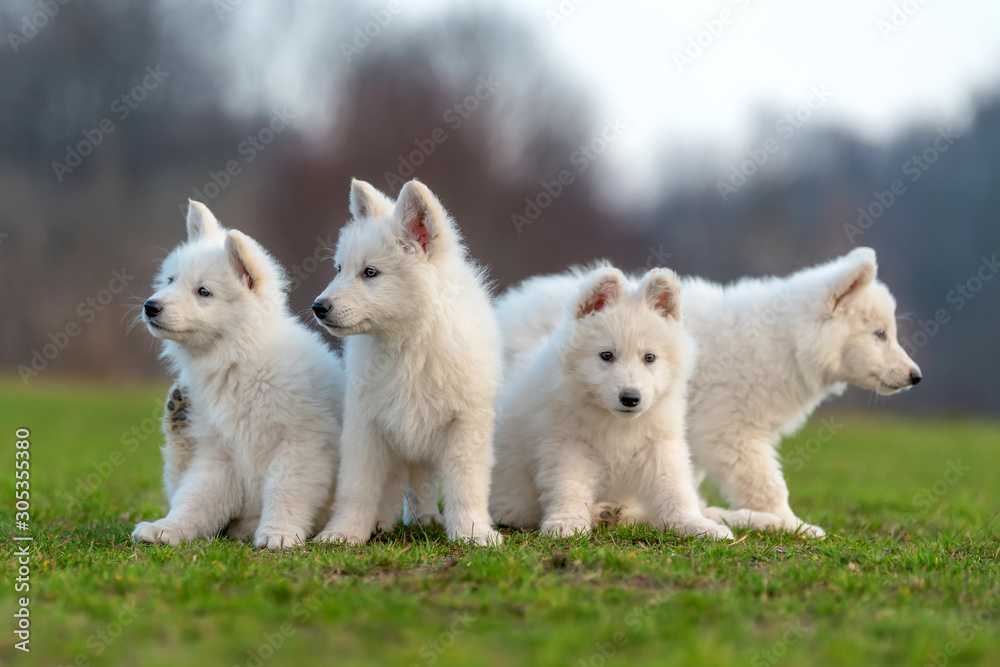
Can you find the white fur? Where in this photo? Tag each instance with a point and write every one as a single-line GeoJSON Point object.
{"type": "Point", "coordinates": [423, 362]}
{"type": "Point", "coordinates": [771, 350]}
{"type": "Point", "coordinates": [264, 395]}
{"type": "Point", "coordinates": [568, 437]}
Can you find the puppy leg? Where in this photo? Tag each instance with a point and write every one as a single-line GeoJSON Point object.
{"type": "Point", "coordinates": [422, 496]}
{"type": "Point", "coordinates": [392, 498]}
{"type": "Point", "coordinates": [295, 488]}
{"type": "Point", "coordinates": [364, 466]}
{"type": "Point", "coordinates": [665, 481]}
{"type": "Point", "coordinates": [567, 481]}
{"type": "Point", "coordinates": [207, 498]}
{"type": "Point", "coordinates": [466, 463]}
{"type": "Point", "coordinates": [750, 478]}
{"type": "Point", "coordinates": [178, 448]}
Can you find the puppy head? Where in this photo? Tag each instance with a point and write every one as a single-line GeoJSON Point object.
{"type": "Point", "coordinates": [857, 337]}
{"type": "Point", "coordinates": [387, 261]}
{"type": "Point", "coordinates": [218, 285]}
{"type": "Point", "coordinates": [627, 348]}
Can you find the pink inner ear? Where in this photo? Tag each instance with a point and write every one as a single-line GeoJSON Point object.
{"type": "Point", "coordinates": [419, 230]}
{"type": "Point", "coordinates": [663, 303]}
{"type": "Point", "coordinates": [846, 292]}
{"type": "Point", "coordinates": [244, 272]}
{"type": "Point", "coordinates": [597, 301]}
{"type": "Point", "coordinates": [421, 234]}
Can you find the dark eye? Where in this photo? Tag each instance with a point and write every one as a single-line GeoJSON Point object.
{"type": "Point", "coordinates": [650, 357]}
{"type": "Point", "coordinates": [370, 272]}
{"type": "Point", "coordinates": [170, 280]}
{"type": "Point", "coordinates": [337, 267]}
{"type": "Point", "coordinates": [203, 292]}
{"type": "Point", "coordinates": [880, 334]}
{"type": "Point", "coordinates": [607, 356]}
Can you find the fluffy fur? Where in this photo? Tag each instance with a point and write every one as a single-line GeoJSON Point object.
{"type": "Point", "coordinates": [257, 445]}
{"type": "Point", "coordinates": [422, 353]}
{"type": "Point", "coordinates": [771, 350]}
{"type": "Point", "coordinates": [594, 412]}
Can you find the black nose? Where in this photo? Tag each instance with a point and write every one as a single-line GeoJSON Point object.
{"type": "Point", "coordinates": [630, 398]}
{"type": "Point", "coordinates": [152, 308]}
{"type": "Point", "coordinates": [915, 377]}
{"type": "Point", "coordinates": [320, 308]}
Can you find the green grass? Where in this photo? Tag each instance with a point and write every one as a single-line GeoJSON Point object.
{"type": "Point", "coordinates": [902, 578]}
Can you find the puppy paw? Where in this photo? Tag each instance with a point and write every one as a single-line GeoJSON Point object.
{"type": "Point", "coordinates": [243, 528]}
{"type": "Point", "coordinates": [335, 537]}
{"type": "Point", "coordinates": [606, 515]}
{"type": "Point", "coordinates": [385, 526]}
{"type": "Point", "coordinates": [275, 539]}
{"type": "Point", "coordinates": [564, 526]}
{"type": "Point", "coordinates": [488, 538]}
{"type": "Point", "coordinates": [804, 529]}
{"type": "Point", "coordinates": [702, 527]}
{"type": "Point", "coordinates": [430, 519]}
{"type": "Point", "coordinates": [175, 410]}
{"type": "Point", "coordinates": [158, 532]}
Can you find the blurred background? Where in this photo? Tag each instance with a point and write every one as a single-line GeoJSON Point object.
{"type": "Point", "coordinates": [717, 138]}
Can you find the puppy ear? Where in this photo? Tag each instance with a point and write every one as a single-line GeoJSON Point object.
{"type": "Point", "coordinates": [247, 259]}
{"type": "Point", "coordinates": [200, 222]}
{"type": "Point", "coordinates": [856, 270]}
{"type": "Point", "coordinates": [601, 288]}
{"type": "Point", "coordinates": [661, 290]}
{"type": "Point", "coordinates": [367, 201]}
{"type": "Point", "coordinates": [420, 214]}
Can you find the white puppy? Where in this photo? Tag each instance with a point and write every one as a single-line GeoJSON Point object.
{"type": "Point", "coordinates": [260, 446]}
{"type": "Point", "coordinates": [596, 412]}
{"type": "Point", "coordinates": [423, 361]}
{"type": "Point", "coordinates": [774, 349]}
{"type": "Point", "coordinates": [771, 350]}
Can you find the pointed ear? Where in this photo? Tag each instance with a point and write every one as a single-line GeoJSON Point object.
{"type": "Point", "coordinates": [247, 259]}
{"type": "Point", "coordinates": [200, 222]}
{"type": "Point", "coordinates": [367, 201]}
{"type": "Point", "coordinates": [856, 270]}
{"type": "Point", "coordinates": [420, 214]}
{"type": "Point", "coordinates": [601, 288]}
{"type": "Point", "coordinates": [661, 290]}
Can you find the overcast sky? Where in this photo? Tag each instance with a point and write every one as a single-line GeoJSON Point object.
{"type": "Point", "coordinates": [884, 65]}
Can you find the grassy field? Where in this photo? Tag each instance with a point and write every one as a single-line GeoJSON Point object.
{"type": "Point", "coordinates": [908, 575]}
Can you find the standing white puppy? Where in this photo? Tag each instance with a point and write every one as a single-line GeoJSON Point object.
{"type": "Point", "coordinates": [596, 412]}
{"type": "Point", "coordinates": [423, 362]}
{"type": "Point", "coordinates": [258, 450]}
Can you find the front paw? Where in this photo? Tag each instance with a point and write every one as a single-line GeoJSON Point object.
{"type": "Point", "coordinates": [430, 519]}
{"type": "Point", "coordinates": [275, 539]}
{"type": "Point", "coordinates": [704, 528]}
{"type": "Point", "coordinates": [479, 538]}
{"type": "Point", "coordinates": [158, 532]}
{"type": "Point", "coordinates": [564, 525]}
{"type": "Point", "coordinates": [336, 536]}
{"type": "Point", "coordinates": [804, 529]}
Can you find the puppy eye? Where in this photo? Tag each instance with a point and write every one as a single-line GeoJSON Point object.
{"type": "Point", "coordinates": [880, 334]}
{"type": "Point", "coordinates": [203, 292]}
{"type": "Point", "coordinates": [607, 356]}
{"type": "Point", "coordinates": [370, 272]}
{"type": "Point", "coordinates": [170, 280]}
{"type": "Point", "coordinates": [337, 267]}
{"type": "Point", "coordinates": [650, 357]}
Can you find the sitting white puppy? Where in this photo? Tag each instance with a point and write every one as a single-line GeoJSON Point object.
{"type": "Point", "coordinates": [596, 412]}
{"type": "Point", "coordinates": [423, 358]}
{"type": "Point", "coordinates": [262, 395]}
